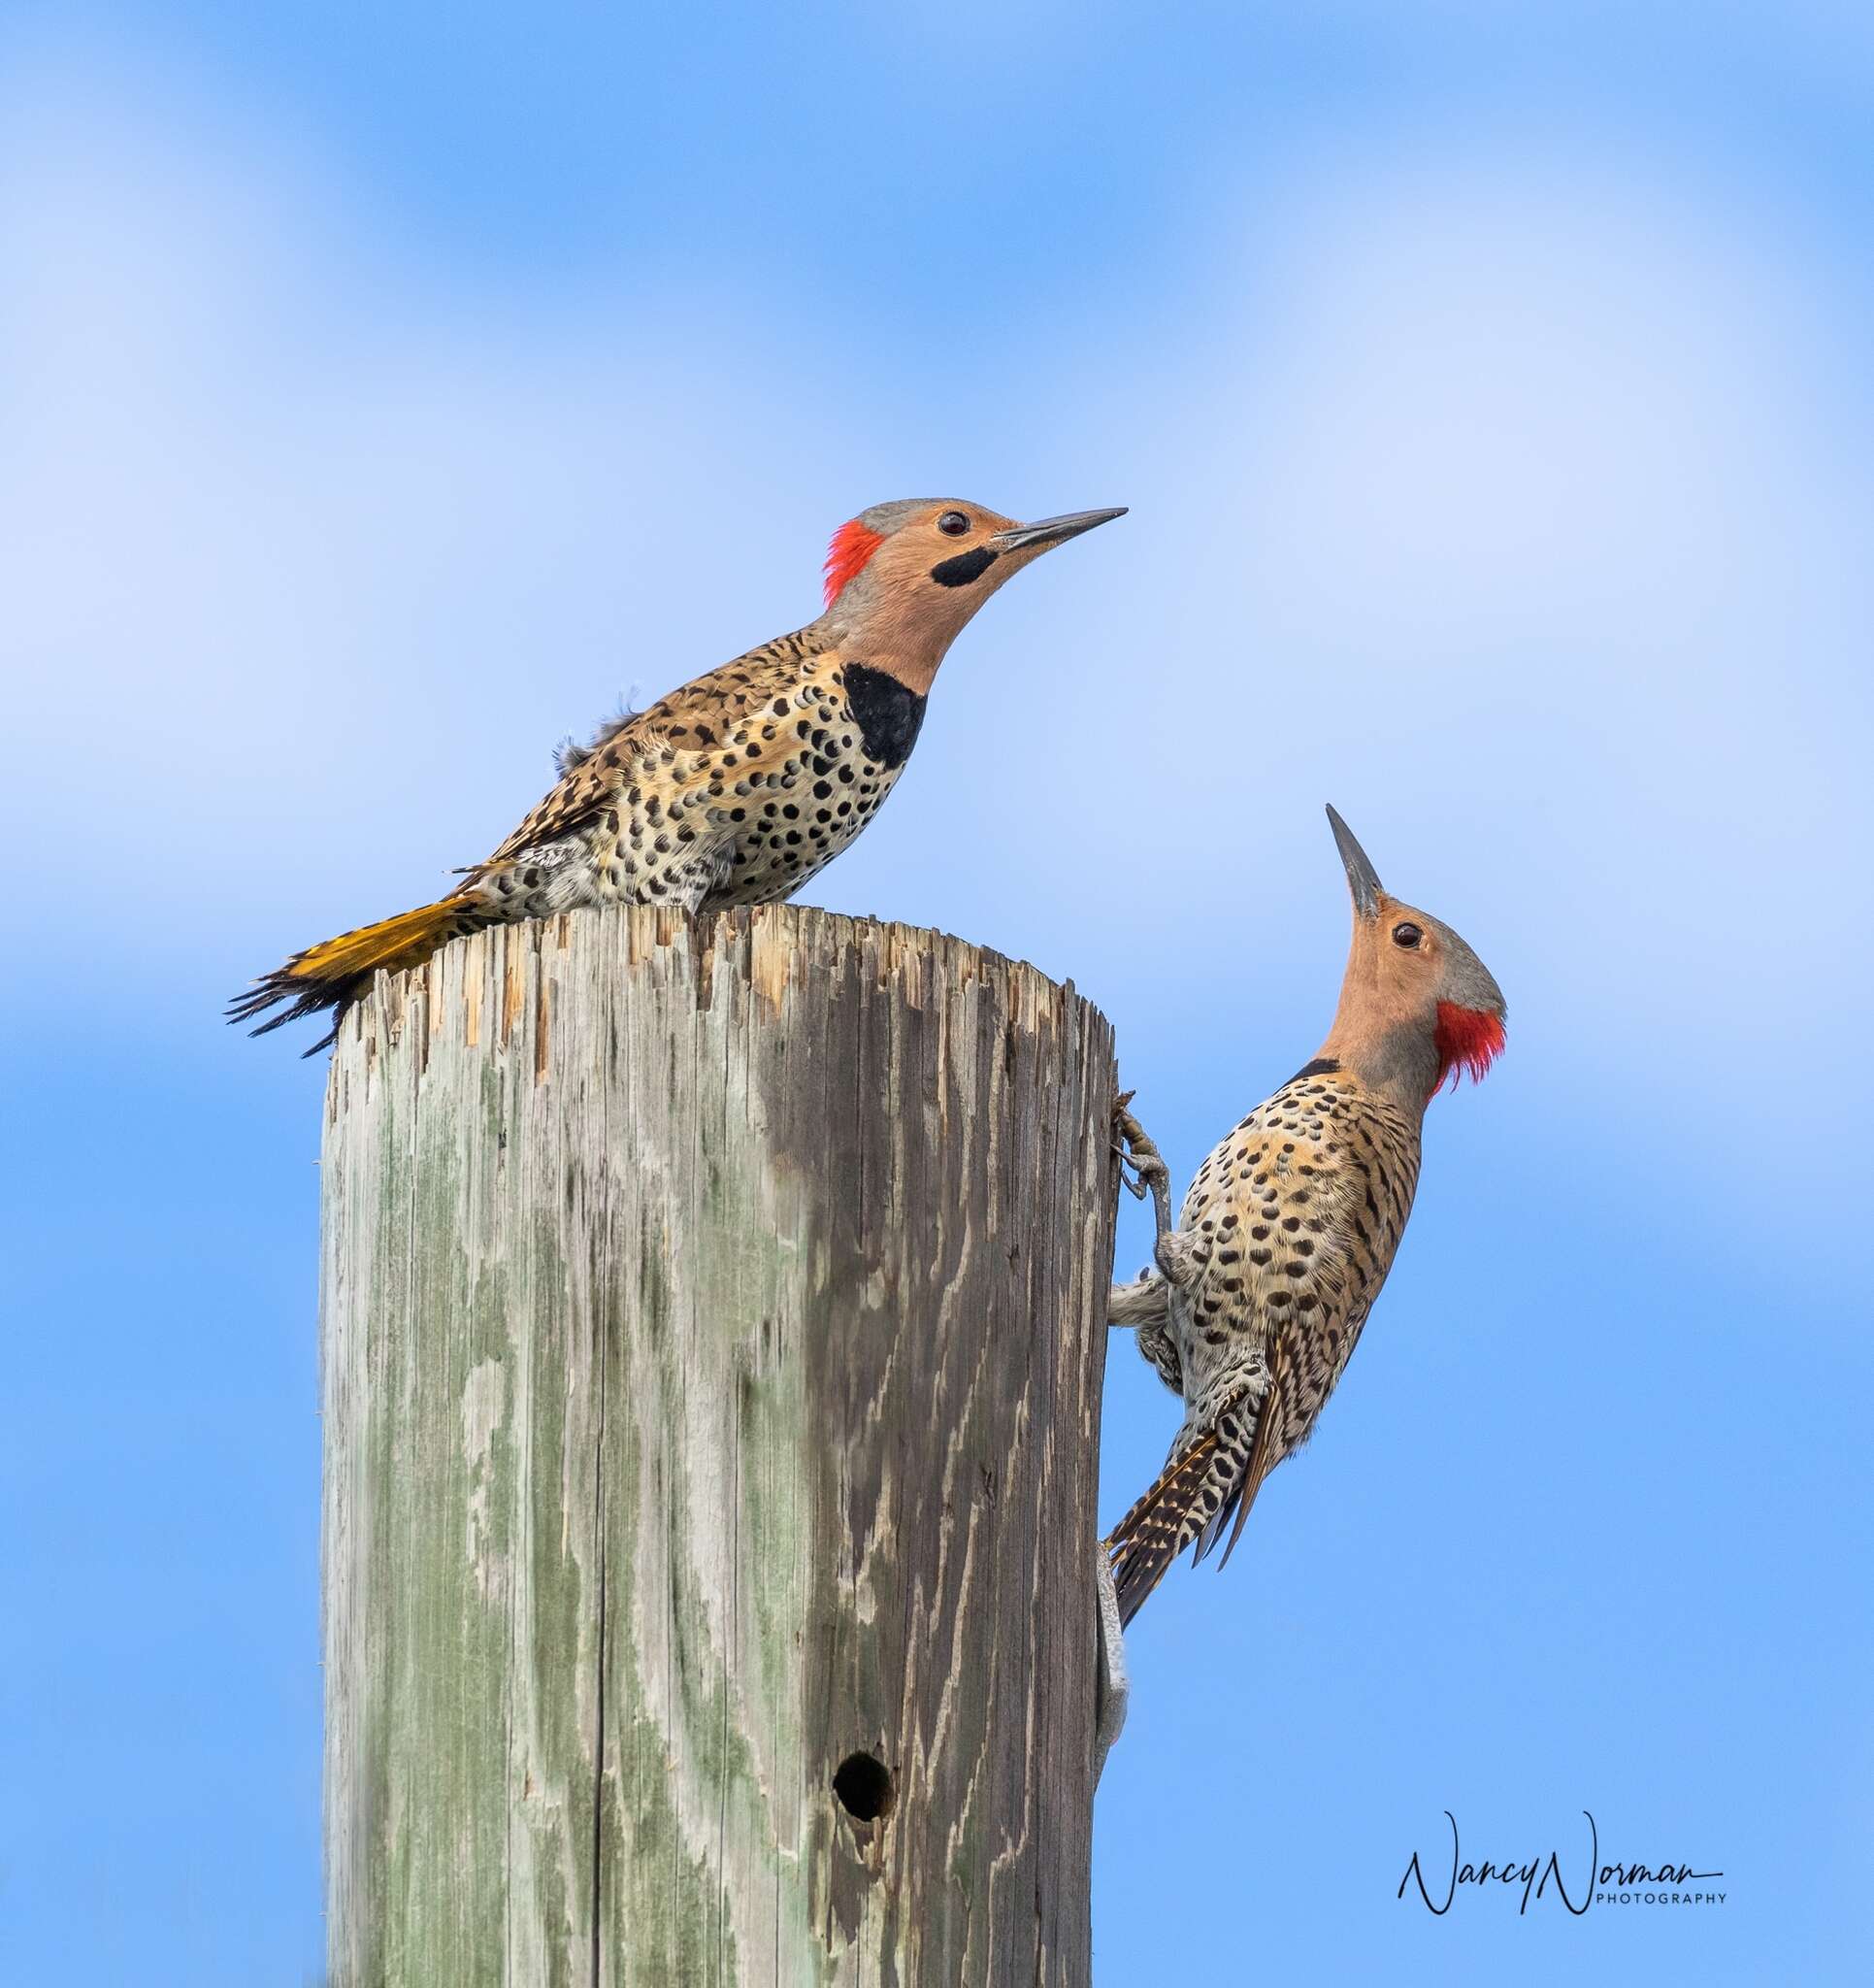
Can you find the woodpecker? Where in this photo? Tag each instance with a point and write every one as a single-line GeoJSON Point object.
{"type": "Point", "coordinates": [1291, 1226]}
{"type": "Point", "coordinates": [739, 786]}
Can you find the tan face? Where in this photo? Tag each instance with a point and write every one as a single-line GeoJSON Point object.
{"type": "Point", "coordinates": [944, 553]}
{"type": "Point", "coordinates": [1405, 962]}
{"type": "Point", "coordinates": [942, 546]}
{"type": "Point", "coordinates": [906, 576]}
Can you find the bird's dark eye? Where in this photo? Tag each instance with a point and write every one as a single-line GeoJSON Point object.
{"type": "Point", "coordinates": [1406, 933]}
{"type": "Point", "coordinates": [953, 524]}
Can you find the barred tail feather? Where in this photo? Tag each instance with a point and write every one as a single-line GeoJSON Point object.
{"type": "Point", "coordinates": [1188, 1501]}
{"type": "Point", "coordinates": [331, 976]}
{"type": "Point", "coordinates": [1154, 1531]}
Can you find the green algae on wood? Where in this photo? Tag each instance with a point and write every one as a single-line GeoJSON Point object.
{"type": "Point", "coordinates": [712, 1323]}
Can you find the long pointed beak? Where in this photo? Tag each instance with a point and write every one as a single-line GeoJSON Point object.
{"type": "Point", "coordinates": [1362, 880]}
{"type": "Point", "coordinates": [1053, 531]}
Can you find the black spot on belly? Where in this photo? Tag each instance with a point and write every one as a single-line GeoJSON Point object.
{"type": "Point", "coordinates": [887, 713]}
{"type": "Point", "coordinates": [963, 568]}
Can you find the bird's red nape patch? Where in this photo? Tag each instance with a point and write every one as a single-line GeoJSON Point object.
{"type": "Point", "coordinates": [1467, 1039]}
{"type": "Point", "coordinates": [853, 543]}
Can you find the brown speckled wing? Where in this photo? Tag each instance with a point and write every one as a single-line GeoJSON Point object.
{"type": "Point", "coordinates": [661, 743]}
{"type": "Point", "coordinates": [576, 801]}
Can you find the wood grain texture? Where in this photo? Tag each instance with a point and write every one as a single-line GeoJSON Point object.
{"type": "Point", "coordinates": [712, 1331]}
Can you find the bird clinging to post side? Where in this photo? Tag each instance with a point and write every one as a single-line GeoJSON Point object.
{"type": "Point", "coordinates": [739, 786]}
{"type": "Point", "coordinates": [1291, 1226]}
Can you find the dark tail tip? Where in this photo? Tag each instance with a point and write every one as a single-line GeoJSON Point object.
{"type": "Point", "coordinates": [296, 999]}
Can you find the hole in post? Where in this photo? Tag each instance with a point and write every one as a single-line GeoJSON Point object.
{"type": "Point", "coordinates": [864, 1786]}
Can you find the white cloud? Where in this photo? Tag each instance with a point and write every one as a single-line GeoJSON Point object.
{"type": "Point", "coordinates": [1525, 519]}
{"type": "Point", "coordinates": [1507, 501]}
{"type": "Point", "coordinates": [299, 546]}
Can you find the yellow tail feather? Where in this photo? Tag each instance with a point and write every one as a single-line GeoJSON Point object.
{"type": "Point", "coordinates": [333, 973]}
{"type": "Point", "coordinates": [405, 941]}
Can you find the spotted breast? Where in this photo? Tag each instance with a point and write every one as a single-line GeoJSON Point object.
{"type": "Point", "coordinates": [1290, 1228]}
{"type": "Point", "coordinates": [736, 791]}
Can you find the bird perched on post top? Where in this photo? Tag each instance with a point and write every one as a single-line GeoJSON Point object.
{"type": "Point", "coordinates": [739, 786]}
{"type": "Point", "coordinates": [1291, 1226]}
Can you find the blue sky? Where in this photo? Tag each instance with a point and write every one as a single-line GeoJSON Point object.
{"type": "Point", "coordinates": [385, 395]}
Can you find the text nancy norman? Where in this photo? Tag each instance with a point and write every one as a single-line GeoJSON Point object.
{"type": "Point", "coordinates": [1595, 1883]}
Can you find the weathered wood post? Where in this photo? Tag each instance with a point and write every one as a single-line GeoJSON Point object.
{"type": "Point", "coordinates": [712, 1325]}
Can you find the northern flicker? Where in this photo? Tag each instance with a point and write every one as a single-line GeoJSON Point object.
{"type": "Point", "coordinates": [1291, 1225]}
{"type": "Point", "coordinates": [739, 786]}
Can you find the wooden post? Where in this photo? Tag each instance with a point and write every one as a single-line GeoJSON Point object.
{"type": "Point", "coordinates": [712, 1327]}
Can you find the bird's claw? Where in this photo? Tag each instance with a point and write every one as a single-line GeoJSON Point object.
{"type": "Point", "coordinates": [1151, 1175]}
{"type": "Point", "coordinates": [1134, 1147]}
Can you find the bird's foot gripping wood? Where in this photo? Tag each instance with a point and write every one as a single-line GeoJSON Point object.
{"type": "Point", "coordinates": [1114, 1688]}
{"type": "Point", "coordinates": [1153, 1177]}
